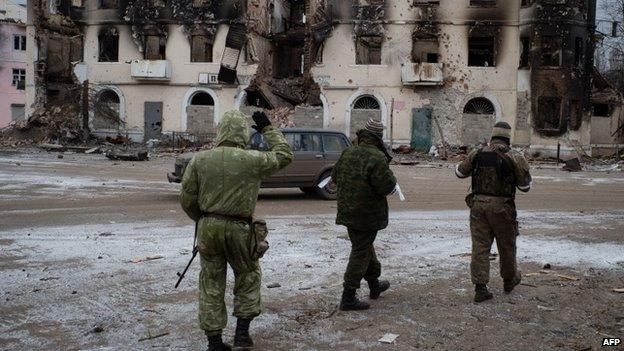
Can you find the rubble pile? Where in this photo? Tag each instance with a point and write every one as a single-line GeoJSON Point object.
{"type": "Point", "coordinates": [281, 117]}
{"type": "Point", "coordinates": [59, 124]}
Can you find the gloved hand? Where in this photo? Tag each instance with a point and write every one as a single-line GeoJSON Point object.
{"type": "Point", "coordinates": [261, 120]}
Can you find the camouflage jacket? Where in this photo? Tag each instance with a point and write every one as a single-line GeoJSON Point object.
{"type": "Point", "coordinates": [364, 179]}
{"type": "Point", "coordinates": [521, 172]}
{"type": "Point", "coordinates": [226, 179]}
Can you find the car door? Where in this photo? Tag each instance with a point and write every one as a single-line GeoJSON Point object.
{"type": "Point", "coordinates": [309, 158]}
{"type": "Point", "coordinates": [333, 146]}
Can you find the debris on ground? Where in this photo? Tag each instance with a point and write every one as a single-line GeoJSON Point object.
{"type": "Point", "coordinates": [552, 273]}
{"type": "Point", "coordinates": [114, 154]}
{"type": "Point", "coordinates": [146, 258]}
{"type": "Point", "coordinates": [150, 336]}
{"type": "Point", "coordinates": [544, 308]}
{"type": "Point", "coordinates": [106, 234]}
{"type": "Point", "coordinates": [388, 338]}
{"type": "Point", "coordinates": [94, 150]}
{"type": "Point", "coordinates": [274, 285]}
{"type": "Point", "coordinates": [573, 165]}
{"type": "Point", "coordinates": [52, 147]}
{"type": "Point", "coordinates": [403, 149]}
{"type": "Point", "coordinates": [547, 266]}
{"type": "Point", "coordinates": [618, 290]}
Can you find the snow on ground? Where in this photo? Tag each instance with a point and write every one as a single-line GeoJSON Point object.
{"type": "Point", "coordinates": [42, 266]}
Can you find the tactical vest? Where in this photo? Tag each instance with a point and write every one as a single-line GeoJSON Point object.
{"type": "Point", "coordinates": [493, 174]}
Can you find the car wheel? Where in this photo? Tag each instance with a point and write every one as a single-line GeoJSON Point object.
{"type": "Point", "coordinates": [330, 191]}
{"type": "Point", "coordinates": [308, 190]}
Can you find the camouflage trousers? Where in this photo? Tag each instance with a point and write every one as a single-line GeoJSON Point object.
{"type": "Point", "coordinates": [220, 243]}
{"type": "Point", "coordinates": [493, 218]}
{"type": "Point", "coordinates": [363, 262]}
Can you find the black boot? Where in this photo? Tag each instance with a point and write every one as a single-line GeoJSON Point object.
{"type": "Point", "coordinates": [215, 343]}
{"type": "Point", "coordinates": [510, 284]}
{"type": "Point", "coordinates": [482, 293]}
{"type": "Point", "coordinates": [350, 301]}
{"type": "Point", "coordinates": [376, 287]}
{"type": "Point", "coordinates": [242, 340]}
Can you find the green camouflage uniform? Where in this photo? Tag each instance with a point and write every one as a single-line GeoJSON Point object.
{"type": "Point", "coordinates": [492, 208]}
{"type": "Point", "coordinates": [364, 179]}
{"type": "Point", "coordinates": [226, 181]}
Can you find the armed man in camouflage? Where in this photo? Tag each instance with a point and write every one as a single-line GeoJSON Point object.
{"type": "Point", "coordinates": [219, 191]}
{"type": "Point", "coordinates": [496, 172]}
{"type": "Point", "coordinates": [364, 179]}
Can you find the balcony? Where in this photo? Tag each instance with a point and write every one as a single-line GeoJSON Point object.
{"type": "Point", "coordinates": [422, 73]}
{"type": "Point", "coordinates": [150, 69]}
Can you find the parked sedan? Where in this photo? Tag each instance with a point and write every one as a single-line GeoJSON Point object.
{"type": "Point", "coordinates": [316, 152]}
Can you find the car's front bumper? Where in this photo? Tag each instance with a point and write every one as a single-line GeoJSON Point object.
{"type": "Point", "coordinates": [173, 178]}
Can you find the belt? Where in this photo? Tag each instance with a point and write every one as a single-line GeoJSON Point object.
{"type": "Point", "coordinates": [232, 218]}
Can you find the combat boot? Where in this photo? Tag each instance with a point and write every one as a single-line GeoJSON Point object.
{"type": "Point", "coordinates": [482, 293]}
{"type": "Point", "coordinates": [510, 284]}
{"type": "Point", "coordinates": [376, 287]}
{"type": "Point", "coordinates": [215, 343]}
{"type": "Point", "coordinates": [350, 302]}
{"type": "Point", "coordinates": [242, 340]}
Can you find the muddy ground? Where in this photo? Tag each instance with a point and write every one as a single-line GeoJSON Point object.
{"type": "Point", "coordinates": [70, 227]}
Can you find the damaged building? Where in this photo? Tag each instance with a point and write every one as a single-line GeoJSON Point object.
{"type": "Point", "coordinates": [434, 72]}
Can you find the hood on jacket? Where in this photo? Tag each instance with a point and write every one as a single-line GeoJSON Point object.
{"type": "Point", "coordinates": [234, 129]}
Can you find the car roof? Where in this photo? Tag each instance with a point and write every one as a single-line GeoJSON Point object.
{"type": "Point", "coordinates": [310, 130]}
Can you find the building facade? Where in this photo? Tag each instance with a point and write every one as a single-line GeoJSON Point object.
{"type": "Point", "coordinates": [12, 62]}
{"type": "Point", "coordinates": [434, 72]}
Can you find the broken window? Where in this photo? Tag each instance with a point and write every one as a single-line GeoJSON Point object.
{"type": "Point", "coordinates": [525, 47]}
{"type": "Point", "coordinates": [108, 41]}
{"type": "Point", "coordinates": [368, 50]}
{"type": "Point", "coordinates": [551, 51]}
{"type": "Point", "coordinates": [526, 3]}
{"type": "Point", "coordinates": [19, 78]}
{"type": "Point", "coordinates": [288, 61]}
{"type": "Point", "coordinates": [482, 2]}
{"type": "Point", "coordinates": [19, 42]}
{"type": "Point", "coordinates": [481, 51]}
{"type": "Point", "coordinates": [108, 4]}
{"type": "Point", "coordinates": [154, 47]}
{"type": "Point", "coordinates": [549, 113]}
{"type": "Point", "coordinates": [578, 52]}
{"type": "Point", "coordinates": [201, 49]}
{"type": "Point", "coordinates": [297, 12]}
{"type": "Point", "coordinates": [601, 110]}
{"type": "Point", "coordinates": [424, 50]}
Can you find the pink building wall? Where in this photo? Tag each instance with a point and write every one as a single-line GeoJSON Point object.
{"type": "Point", "coordinates": [9, 60]}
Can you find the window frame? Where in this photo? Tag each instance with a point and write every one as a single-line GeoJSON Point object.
{"type": "Point", "coordinates": [18, 75]}
{"type": "Point", "coordinates": [19, 42]}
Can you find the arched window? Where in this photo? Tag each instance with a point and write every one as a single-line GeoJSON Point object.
{"type": "Point", "coordinates": [366, 103]}
{"type": "Point", "coordinates": [106, 111]}
{"type": "Point", "coordinates": [202, 99]}
{"type": "Point", "coordinates": [480, 106]}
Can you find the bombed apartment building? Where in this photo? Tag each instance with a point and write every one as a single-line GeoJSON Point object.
{"type": "Point", "coordinates": [434, 72]}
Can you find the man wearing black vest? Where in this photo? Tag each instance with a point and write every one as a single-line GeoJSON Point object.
{"type": "Point", "coordinates": [496, 172]}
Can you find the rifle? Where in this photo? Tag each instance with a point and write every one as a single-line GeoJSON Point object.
{"type": "Point", "coordinates": [195, 250]}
